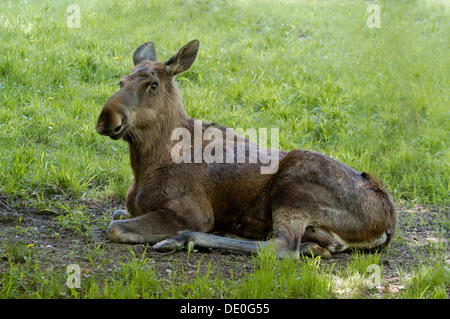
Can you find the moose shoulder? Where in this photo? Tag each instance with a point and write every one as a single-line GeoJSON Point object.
{"type": "Point", "coordinates": [311, 204]}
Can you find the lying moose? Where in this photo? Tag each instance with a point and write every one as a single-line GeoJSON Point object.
{"type": "Point", "coordinates": [311, 205]}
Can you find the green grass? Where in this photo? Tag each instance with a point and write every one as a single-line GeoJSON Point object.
{"type": "Point", "coordinates": [137, 278]}
{"type": "Point", "coordinates": [375, 99]}
{"type": "Point", "coordinates": [428, 282]}
{"type": "Point", "coordinates": [286, 278]}
{"type": "Point", "coordinates": [271, 278]}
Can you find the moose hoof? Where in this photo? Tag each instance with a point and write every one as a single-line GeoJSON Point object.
{"type": "Point", "coordinates": [120, 214]}
{"type": "Point", "coordinates": [308, 249]}
{"type": "Point", "coordinates": [114, 233]}
{"type": "Point", "coordinates": [169, 244]}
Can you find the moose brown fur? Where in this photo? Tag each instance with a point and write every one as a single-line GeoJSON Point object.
{"type": "Point", "coordinates": [312, 205]}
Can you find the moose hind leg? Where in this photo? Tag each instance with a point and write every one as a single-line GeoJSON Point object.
{"type": "Point", "coordinates": [285, 242]}
{"type": "Point", "coordinates": [312, 249]}
{"type": "Point", "coordinates": [120, 214]}
{"type": "Point", "coordinates": [206, 240]}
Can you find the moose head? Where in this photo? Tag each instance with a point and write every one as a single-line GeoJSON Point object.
{"type": "Point", "coordinates": [148, 95]}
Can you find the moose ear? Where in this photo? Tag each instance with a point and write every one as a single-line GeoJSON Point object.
{"type": "Point", "coordinates": [183, 60]}
{"type": "Point", "coordinates": [144, 52]}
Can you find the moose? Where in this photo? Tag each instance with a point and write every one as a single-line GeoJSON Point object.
{"type": "Point", "coordinates": [312, 205]}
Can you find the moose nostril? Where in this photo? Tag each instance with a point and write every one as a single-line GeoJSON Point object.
{"type": "Point", "coordinates": [117, 129]}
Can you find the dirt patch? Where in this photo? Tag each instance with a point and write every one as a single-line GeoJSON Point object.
{"type": "Point", "coordinates": [55, 246]}
{"type": "Point", "coordinates": [421, 231]}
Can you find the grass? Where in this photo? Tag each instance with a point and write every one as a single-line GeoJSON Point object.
{"type": "Point", "coordinates": [285, 279]}
{"type": "Point", "coordinates": [138, 278]}
{"type": "Point", "coordinates": [428, 282]}
{"type": "Point", "coordinates": [375, 99]}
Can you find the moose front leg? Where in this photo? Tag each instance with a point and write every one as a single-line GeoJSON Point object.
{"type": "Point", "coordinates": [176, 215]}
{"type": "Point", "coordinates": [148, 228]}
{"type": "Point", "coordinates": [130, 200]}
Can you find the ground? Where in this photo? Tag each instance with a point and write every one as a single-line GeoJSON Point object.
{"type": "Point", "coordinates": [422, 234]}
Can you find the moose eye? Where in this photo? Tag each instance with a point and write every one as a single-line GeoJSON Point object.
{"type": "Point", "coordinates": [154, 85]}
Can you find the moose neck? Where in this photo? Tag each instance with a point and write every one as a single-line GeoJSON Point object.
{"type": "Point", "coordinates": [150, 147]}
